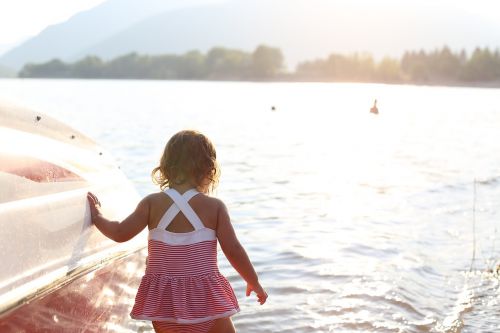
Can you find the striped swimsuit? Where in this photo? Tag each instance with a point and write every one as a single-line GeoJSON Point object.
{"type": "Point", "coordinates": [182, 289]}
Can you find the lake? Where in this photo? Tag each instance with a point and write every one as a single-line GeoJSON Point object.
{"type": "Point", "coordinates": [356, 222]}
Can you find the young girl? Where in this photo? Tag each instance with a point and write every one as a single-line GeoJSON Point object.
{"type": "Point", "coordinates": [182, 289]}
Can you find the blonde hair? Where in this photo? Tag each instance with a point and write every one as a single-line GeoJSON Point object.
{"type": "Point", "coordinates": [188, 156]}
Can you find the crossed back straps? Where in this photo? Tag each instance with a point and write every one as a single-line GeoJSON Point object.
{"type": "Point", "coordinates": [180, 204]}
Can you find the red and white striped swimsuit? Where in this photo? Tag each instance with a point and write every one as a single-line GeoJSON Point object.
{"type": "Point", "coordinates": [182, 288]}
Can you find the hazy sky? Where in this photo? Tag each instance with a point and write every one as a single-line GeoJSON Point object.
{"type": "Point", "coordinates": [20, 19]}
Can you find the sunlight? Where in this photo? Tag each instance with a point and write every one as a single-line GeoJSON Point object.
{"type": "Point", "coordinates": [357, 140]}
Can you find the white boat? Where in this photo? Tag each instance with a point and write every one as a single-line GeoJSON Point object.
{"type": "Point", "coordinates": [58, 273]}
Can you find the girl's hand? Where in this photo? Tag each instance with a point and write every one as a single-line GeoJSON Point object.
{"type": "Point", "coordinates": [261, 293]}
{"type": "Point", "coordinates": [95, 206]}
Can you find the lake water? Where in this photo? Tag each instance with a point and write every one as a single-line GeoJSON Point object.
{"type": "Point", "coordinates": [355, 222]}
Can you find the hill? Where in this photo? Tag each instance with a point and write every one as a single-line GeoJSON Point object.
{"type": "Point", "coordinates": [6, 72]}
{"type": "Point", "coordinates": [302, 29]}
{"type": "Point", "coordinates": [68, 39]}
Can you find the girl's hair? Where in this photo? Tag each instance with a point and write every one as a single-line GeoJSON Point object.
{"type": "Point", "coordinates": [188, 156]}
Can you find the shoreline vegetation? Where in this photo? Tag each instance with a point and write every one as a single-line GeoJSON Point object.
{"type": "Point", "coordinates": [439, 67]}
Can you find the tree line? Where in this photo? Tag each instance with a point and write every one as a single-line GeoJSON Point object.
{"type": "Point", "coordinates": [438, 66]}
{"type": "Point", "coordinates": [441, 66]}
{"type": "Point", "coordinates": [217, 64]}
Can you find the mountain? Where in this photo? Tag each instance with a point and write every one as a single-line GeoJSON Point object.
{"type": "Point", "coordinates": [86, 29]}
{"type": "Point", "coordinates": [6, 72]}
{"type": "Point", "coordinates": [303, 29]}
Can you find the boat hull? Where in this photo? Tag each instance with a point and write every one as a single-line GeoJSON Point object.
{"type": "Point", "coordinates": [98, 301]}
{"type": "Point", "coordinates": [59, 273]}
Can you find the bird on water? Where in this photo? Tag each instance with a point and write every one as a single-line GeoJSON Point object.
{"type": "Point", "coordinates": [374, 108]}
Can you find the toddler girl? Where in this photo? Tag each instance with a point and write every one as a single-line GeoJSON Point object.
{"type": "Point", "coordinates": [182, 289]}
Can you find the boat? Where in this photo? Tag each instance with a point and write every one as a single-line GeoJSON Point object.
{"type": "Point", "coordinates": [58, 272]}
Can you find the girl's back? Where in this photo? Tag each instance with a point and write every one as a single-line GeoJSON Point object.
{"type": "Point", "coordinates": [204, 206]}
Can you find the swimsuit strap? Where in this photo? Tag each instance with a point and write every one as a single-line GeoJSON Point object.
{"type": "Point", "coordinates": [180, 204]}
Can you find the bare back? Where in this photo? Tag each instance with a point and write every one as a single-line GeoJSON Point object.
{"type": "Point", "coordinates": [205, 207]}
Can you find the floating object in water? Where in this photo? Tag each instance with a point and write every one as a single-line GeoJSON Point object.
{"type": "Point", "coordinates": [374, 108]}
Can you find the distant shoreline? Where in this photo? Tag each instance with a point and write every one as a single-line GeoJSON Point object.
{"type": "Point", "coordinates": [487, 84]}
{"type": "Point", "coordinates": [440, 67]}
{"type": "Point", "coordinates": [476, 84]}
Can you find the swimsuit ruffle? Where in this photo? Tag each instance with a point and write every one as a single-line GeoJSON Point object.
{"type": "Point", "coordinates": [184, 299]}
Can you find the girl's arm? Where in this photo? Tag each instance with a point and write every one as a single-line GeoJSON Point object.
{"type": "Point", "coordinates": [237, 255]}
{"type": "Point", "coordinates": [119, 231]}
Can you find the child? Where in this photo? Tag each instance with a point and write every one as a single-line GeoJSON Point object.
{"type": "Point", "coordinates": [182, 289]}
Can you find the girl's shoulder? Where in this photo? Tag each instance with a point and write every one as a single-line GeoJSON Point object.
{"type": "Point", "coordinates": [199, 199]}
{"type": "Point", "coordinates": [153, 197]}
{"type": "Point", "coordinates": [206, 200]}
{"type": "Point", "coordinates": [157, 201]}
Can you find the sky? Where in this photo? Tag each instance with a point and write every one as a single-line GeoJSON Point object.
{"type": "Point", "coordinates": [21, 19]}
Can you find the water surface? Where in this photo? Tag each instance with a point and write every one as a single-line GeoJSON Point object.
{"type": "Point", "coordinates": [356, 222]}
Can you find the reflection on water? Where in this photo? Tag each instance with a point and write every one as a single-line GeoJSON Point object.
{"type": "Point", "coordinates": [356, 222]}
